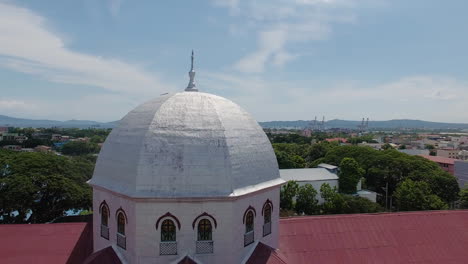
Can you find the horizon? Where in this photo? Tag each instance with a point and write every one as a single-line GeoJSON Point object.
{"type": "Point", "coordinates": [293, 120]}
{"type": "Point", "coordinates": [279, 60]}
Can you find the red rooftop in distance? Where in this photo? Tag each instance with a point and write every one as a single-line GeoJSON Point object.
{"type": "Point", "coordinates": [447, 164]}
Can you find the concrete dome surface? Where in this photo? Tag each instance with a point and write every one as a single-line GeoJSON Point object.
{"type": "Point", "coordinates": [188, 144]}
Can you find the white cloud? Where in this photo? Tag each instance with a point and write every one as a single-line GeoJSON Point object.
{"type": "Point", "coordinates": [7, 105]}
{"type": "Point", "coordinates": [28, 45]}
{"type": "Point", "coordinates": [434, 98]}
{"type": "Point", "coordinates": [114, 7]}
{"type": "Point", "coordinates": [278, 23]}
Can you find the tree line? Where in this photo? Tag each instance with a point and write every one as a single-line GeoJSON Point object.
{"type": "Point", "coordinates": [403, 182]}
{"type": "Point", "coordinates": [39, 187]}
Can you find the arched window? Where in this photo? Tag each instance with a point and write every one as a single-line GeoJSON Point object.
{"type": "Point", "coordinates": [121, 221]}
{"type": "Point", "coordinates": [104, 210]}
{"type": "Point", "coordinates": [168, 245]}
{"type": "Point", "coordinates": [168, 231]}
{"type": "Point", "coordinates": [104, 216]}
{"type": "Point", "coordinates": [249, 222]}
{"type": "Point", "coordinates": [267, 219]}
{"type": "Point", "coordinates": [249, 228]}
{"type": "Point", "coordinates": [204, 230]}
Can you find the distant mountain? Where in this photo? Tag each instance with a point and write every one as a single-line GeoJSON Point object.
{"type": "Point", "coordinates": [390, 124]}
{"type": "Point", "coordinates": [21, 122]}
{"type": "Point", "coordinates": [298, 124]}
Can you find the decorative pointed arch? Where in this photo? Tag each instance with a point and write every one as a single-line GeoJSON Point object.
{"type": "Point", "coordinates": [250, 208]}
{"type": "Point", "coordinates": [205, 214]}
{"type": "Point", "coordinates": [104, 204]}
{"type": "Point", "coordinates": [167, 215]}
{"type": "Point", "coordinates": [120, 210]}
{"type": "Point", "coordinates": [265, 204]}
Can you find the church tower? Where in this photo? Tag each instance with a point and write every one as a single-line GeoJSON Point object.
{"type": "Point", "coordinates": [186, 176]}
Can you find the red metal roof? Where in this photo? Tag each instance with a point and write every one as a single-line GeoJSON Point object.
{"type": "Point", "coordinates": [187, 260]}
{"type": "Point", "coordinates": [414, 237]}
{"type": "Point", "coordinates": [104, 256]}
{"type": "Point", "coordinates": [439, 159]}
{"type": "Point", "coordinates": [264, 254]}
{"type": "Point", "coordinates": [45, 243]}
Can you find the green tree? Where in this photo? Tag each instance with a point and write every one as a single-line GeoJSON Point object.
{"type": "Point", "coordinates": [75, 148]}
{"type": "Point", "coordinates": [306, 201]}
{"type": "Point", "coordinates": [349, 175]}
{"type": "Point", "coordinates": [429, 147]}
{"type": "Point", "coordinates": [334, 203]}
{"type": "Point", "coordinates": [416, 195]}
{"type": "Point", "coordinates": [287, 193]}
{"type": "Point", "coordinates": [360, 205]}
{"type": "Point", "coordinates": [464, 198]}
{"type": "Point", "coordinates": [38, 187]}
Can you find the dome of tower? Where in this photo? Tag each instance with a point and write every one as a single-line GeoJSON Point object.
{"type": "Point", "coordinates": [188, 144]}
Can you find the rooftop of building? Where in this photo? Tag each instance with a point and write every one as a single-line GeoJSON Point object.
{"type": "Point", "coordinates": [405, 237]}
{"type": "Point", "coordinates": [439, 159]}
{"type": "Point", "coordinates": [411, 237]}
{"type": "Point", "coordinates": [307, 174]}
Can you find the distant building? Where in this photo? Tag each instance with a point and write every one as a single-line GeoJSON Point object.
{"type": "Point", "coordinates": [42, 148]}
{"type": "Point", "coordinates": [414, 152]}
{"type": "Point", "coordinates": [12, 147]}
{"type": "Point", "coordinates": [8, 136]}
{"type": "Point", "coordinates": [329, 167]}
{"type": "Point", "coordinates": [447, 164]}
{"type": "Point", "coordinates": [370, 195]}
{"type": "Point", "coordinates": [21, 139]}
{"type": "Point", "coordinates": [56, 137]}
{"type": "Point", "coordinates": [27, 150]}
{"type": "Point", "coordinates": [4, 129]}
{"type": "Point", "coordinates": [376, 146]}
{"type": "Point", "coordinates": [306, 133]}
{"type": "Point", "coordinates": [40, 135]}
{"type": "Point", "coordinates": [340, 140]}
{"type": "Point", "coordinates": [448, 153]}
{"type": "Point", "coordinates": [313, 176]}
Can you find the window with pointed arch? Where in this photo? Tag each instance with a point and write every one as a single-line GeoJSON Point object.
{"type": "Point", "coordinates": [121, 223]}
{"type": "Point", "coordinates": [105, 216]}
{"type": "Point", "coordinates": [249, 228]}
{"type": "Point", "coordinates": [104, 209]}
{"type": "Point", "coordinates": [267, 220]}
{"type": "Point", "coordinates": [249, 222]}
{"type": "Point", "coordinates": [168, 231]}
{"type": "Point", "coordinates": [205, 230]}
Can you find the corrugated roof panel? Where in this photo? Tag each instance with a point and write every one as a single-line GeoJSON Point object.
{"type": "Point", "coordinates": [415, 237]}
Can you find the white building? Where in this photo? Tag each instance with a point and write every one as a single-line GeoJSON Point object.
{"type": "Point", "coordinates": [187, 175]}
{"type": "Point", "coordinates": [313, 176]}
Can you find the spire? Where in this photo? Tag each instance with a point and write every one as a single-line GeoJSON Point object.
{"type": "Point", "coordinates": [191, 85]}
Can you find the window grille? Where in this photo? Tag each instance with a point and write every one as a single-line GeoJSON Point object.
{"type": "Point", "coordinates": [168, 231]}
{"type": "Point", "coordinates": [105, 232]}
{"type": "Point", "coordinates": [267, 229]}
{"type": "Point", "coordinates": [204, 230]}
{"type": "Point", "coordinates": [248, 238]}
{"type": "Point", "coordinates": [204, 247]}
{"type": "Point", "coordinates": [168, 248]}
{"type": "Point", "coordinates": [121, 241]}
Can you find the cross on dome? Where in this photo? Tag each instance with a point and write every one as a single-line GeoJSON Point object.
{"type": "Point", "coordinates": [191, 85]}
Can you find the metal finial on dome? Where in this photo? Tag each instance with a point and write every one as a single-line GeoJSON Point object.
{"type": "Point", "coordinates": [191, 85]}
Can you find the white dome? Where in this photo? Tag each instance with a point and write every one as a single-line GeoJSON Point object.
{"type": "Point", "coordinates": [189, 144]}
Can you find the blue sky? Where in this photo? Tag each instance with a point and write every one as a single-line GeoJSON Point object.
{"type": "Point", "coordinates": [279, 59]}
